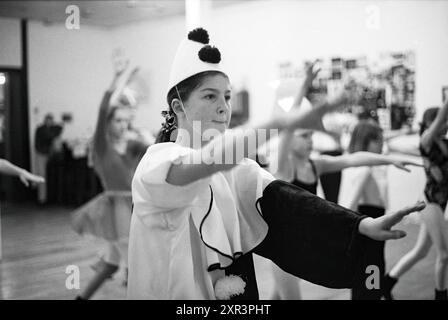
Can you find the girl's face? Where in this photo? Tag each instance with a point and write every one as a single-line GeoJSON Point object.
{"type": "Point", "coordinates": [302, 143]}
{"type": "Point", "coordinates": [119, 123]}
{"type": "Point", "coordinates": [375, 146]}
{"type": "Point", "coordinates": [210, 104]}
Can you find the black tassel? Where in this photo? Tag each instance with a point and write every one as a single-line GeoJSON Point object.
{"type": "Point", "coordinates": [199, 35]}
{"type": "Point", "coordinates": [210, 54]}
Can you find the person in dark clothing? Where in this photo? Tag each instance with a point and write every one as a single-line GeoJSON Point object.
{"type": "Point", "coordinates": [45, 135]}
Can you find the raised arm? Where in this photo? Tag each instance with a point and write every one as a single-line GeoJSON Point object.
{"type": "Point", "coordinates": [118, 83]}
{"type": "Point", "coordinates": [431, 133]}
{"type": "Point", "coordinates": [326, 164]}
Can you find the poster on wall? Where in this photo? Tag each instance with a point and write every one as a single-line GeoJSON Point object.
{"type": "Point", "coordinates": [387, 81]}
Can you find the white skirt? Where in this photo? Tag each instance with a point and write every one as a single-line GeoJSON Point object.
{"type": "Point", "coordinates": [107, 216]}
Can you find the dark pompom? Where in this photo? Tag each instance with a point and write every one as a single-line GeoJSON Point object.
{"type": "Point", "coordinates": [210, 54]}
{"type": "Point", "coordinates": [199, 35]}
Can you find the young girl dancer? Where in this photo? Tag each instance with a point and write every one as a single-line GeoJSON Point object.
{"type": "Point", "coordinates": [115, 157]}
{"type": "Point", "coordinates": [198, 218]}
{"type": "Point", "coordinates": [296, 166]}
{"type": "Point", "coordinates": [433, 229]}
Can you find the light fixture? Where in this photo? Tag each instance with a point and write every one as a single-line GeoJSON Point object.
{"type": "Point", "coordinates": [2, 79]}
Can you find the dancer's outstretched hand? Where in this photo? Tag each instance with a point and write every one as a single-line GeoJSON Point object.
{"type": "Point", "coordinates": [401, 164]}
{"type": "Point", "coordinates": [380, 228]}
{"type": "Point", "coordinates": [27, 177]}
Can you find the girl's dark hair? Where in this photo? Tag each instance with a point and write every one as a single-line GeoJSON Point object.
{"type": "Point", "coordinates": [185, 88]}
{"type": "Point", "coordinates": [363, 134]}
{"type": "Point", "coordinates": [429, 116]}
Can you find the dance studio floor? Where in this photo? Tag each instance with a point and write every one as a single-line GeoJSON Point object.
{"type": "Point", "coordinates": [38, 245]}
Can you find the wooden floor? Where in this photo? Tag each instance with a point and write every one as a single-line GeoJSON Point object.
{"type": "Point", "coordinates": [38, 245]}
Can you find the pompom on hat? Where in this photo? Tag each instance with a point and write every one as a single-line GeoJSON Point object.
{"type": "Point", "coordinates": [194, 55]}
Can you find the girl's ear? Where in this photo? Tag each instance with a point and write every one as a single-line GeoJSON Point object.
{"type": "Point", "coordinates": [176, 106]}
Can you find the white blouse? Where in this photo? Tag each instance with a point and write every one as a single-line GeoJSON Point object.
{"type": "Point", "coordinates": [182, 236]}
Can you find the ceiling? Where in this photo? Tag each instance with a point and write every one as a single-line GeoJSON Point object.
{"type": "Point", "coordinates": [100, 13]}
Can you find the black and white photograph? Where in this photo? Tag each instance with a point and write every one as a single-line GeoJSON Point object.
{"type": "Point", "coordinates": [239, 151]}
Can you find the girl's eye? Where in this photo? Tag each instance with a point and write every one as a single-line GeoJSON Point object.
{"type": "Point", "coordinates": [228, 98]}
{"type": "Point", "coordinates": [210, 96]}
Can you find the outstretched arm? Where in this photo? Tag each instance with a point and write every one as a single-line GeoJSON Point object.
{"type": "Point", "coordinates": [326, 164]}
{"type": "Point", "coordinates": [26, 177]}
{"type": "Point", "coordinates": [380, 228]}
{"type": "Point", "coordinates": [317, 240]}
{"type": "Point", "coordinates": [203, 161]}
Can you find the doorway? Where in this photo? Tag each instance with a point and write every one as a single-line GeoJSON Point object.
{"type": "Point", "coordinates": [14, 133]}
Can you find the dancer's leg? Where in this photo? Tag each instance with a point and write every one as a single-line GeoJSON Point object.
{"type": "Point", "coordinates": [109, 265]}
{"type": "Point", "coordinates": [437, 229]}
{"type": "Point", "coordinates": [417, 253]}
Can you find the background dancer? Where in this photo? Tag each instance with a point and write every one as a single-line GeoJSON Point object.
{"type": "Point", "coordinates": [433, 227]}
{"type": "Point", "coordinates": [114, 156]}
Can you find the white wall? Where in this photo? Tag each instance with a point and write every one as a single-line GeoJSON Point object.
{"type": "Point", "coordinates": [151, 46]}
{"type": "Point", "coordinates": [276, 31]}
{"type": "Point", "coordinates": [68, 71]}
{"type": "Point", "coordinates": [256, 36]}
{"type": "Point", "coordinates": [10, 45]}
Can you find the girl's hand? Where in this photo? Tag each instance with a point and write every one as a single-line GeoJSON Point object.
{"type": "Point", "coordinates": [401, 164]}
{"type": "Point", "coordinates": [349, 95]}
{"type": "Point", "coordinates": [310, 75]}
{"type": "Point", "coordinates": [121, 82]}
{"type": "Point", "coordinates": [122, 77]}
{"type": "Point", "coordinates": [27, 177]}
{"type": "Point", "coordinates": [380, 228]}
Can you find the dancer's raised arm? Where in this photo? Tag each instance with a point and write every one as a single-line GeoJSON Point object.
{"type": "Point", "coordinates": [116, 87]}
